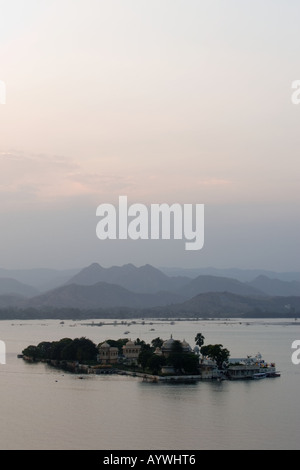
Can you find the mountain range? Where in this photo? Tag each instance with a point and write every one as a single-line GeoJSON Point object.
{"type": "Point", "coordinates": [146, 287]}
{"type": "Point", "coordinates": [227, 304]}
{"type": "Point", "coordinates": [12, 286]}
{"type": "Point", "coordinates": [144, 279]}
{"type": "Point", "coordinates": [244, 275]}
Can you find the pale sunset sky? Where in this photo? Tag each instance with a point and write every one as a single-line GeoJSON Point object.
{"type": "Point", "coordinates": [184, 101]}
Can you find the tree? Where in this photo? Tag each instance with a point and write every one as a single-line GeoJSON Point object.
{"type": "Point", "coordinates": [44, 349]}
{"type": "Point", "coordinates": [144, 357]}
{"type": "Point", "coordinates": [205, 350]}
{"type": "Point", "coordinates": [85, 349]}
{"type": "Point", "coordinates": [190, 363]}
{"type": "Point", "coordinates": [68, 352]}
{"type": "Point", "coordinates": [31, 351]}
{"type": "Point", "coordinates": [222, 356]}
{"type": "Point", "coordinates": [143, 344]}
{"type": "Point", "coordinates": [157, 342]}
{"type": "Point", "coordinates": [216, 353]}
{"type": "Point", "coordinates": [175, 358]}
{"type": "Point", "coordinates": [118, 344]}
{"type": "Point", "coordinates": [155, 363]}
{"type": "Point", "coordinates": [199, 339]}
{"type": "Point", "coordinates": [55, 352]}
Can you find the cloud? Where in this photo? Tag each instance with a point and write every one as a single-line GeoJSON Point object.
{"type": "Point", "coordinates": [34, 176]}
{"type": "Point", "coordinates": [35, 179]}
{"type": "Point", "coordinates": [104, 183]}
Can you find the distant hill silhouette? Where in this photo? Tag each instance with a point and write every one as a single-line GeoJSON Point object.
{"type": "Point", "coordinates": [144, 279]}
{"type": "Point", "coordinates": [147, 279]}
{"type": "Point", "coordinates": [145, 290]}
{"type": "Point", "coordinates": [244, 275]}
{"type": "Point", "coordinates": [11, 286]}
{"type": "Point", "coordinates": [100, 301]}
{"type": "Point", "coordinates": [41, 279]}
{"type": "Point", "coordinates": [99, 295]}
{"type": "Point", "coordinates": [227, 304]}
{"type": "Point", "coordinates": [11, 300]}
{"type": "Point", "coordinates": [203, 284]}
{"type": "Point", "coordinates": [276, 286]}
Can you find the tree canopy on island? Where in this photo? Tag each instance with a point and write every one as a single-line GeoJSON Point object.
{"type": "Point", "coordinates": [83, 350]}
{"type": "Point", "coordinates": [79, 349]}
{"type": "Point", "coordinates": [216, 353]}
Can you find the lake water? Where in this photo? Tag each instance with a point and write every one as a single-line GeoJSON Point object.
{"type": "Point", "coordinates": [45, 408]}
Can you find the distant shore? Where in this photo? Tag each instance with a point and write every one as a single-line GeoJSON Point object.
{"type": "Point", "coordinates": [128, 314]}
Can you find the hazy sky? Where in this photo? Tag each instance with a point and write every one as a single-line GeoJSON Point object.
{"type": "Point", "coordinates": [183, 101]}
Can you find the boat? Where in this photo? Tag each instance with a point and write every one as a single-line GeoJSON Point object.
{"type": "Point", "coordinates": [259, 375]}
{"type": "Point", "coordinates": [251, 368]}
{"type": "Point", "coordinates": [273, 374]}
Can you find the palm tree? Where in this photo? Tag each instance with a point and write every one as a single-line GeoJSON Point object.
{"type": "Point", "coordinates": [199, 339]}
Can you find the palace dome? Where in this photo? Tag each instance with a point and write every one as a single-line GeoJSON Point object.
{"type": "Point", "coordinates": [105, 345]}
{"type": "Point", "coordinates": [168, 344]}
{"type": "Point", "coordinates": [186, 345]}
{"type": "Point", "coordinates": [130, 344]}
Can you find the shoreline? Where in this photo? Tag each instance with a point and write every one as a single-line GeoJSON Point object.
{"type": "Point", "coordinates": [76, 368]}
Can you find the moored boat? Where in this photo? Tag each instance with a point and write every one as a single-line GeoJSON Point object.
{"type": "Point", "coordinates": [251, 368]}
{"type": "Point", "coordinates": [260, 375]}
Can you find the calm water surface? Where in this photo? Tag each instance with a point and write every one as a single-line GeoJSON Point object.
{"type": "Point", "coordinates": [44, 408]}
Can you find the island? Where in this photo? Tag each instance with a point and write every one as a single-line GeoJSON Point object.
{"type": "Point", "coordinates": [161, 360]}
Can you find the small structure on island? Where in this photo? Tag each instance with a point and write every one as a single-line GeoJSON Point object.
{"type": "Point", "coordinates": [107, 354]}
{"type": "Point", "coordinates": [168, 345]}
{"type": "Point", "coordinates": [131, 352]}
{"type": "Point", "coordinates": [209, 369]}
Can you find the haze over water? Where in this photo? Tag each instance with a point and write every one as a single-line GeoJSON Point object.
{"type": "Point", "coordinates": [45, 408]}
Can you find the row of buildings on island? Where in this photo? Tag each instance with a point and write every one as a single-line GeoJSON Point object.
{"type": "Point", "coordinates": [108, 354]}
{"type": "Point", "coordinates": [236, 368]}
